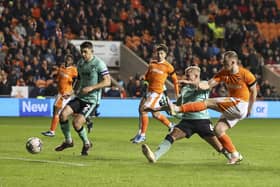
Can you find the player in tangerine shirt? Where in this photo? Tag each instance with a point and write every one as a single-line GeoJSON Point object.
{"type": "Point", "coordinates": [65, 77]}
{"type": "Point", "coordinates": [156, 75]}
{"type": "Point", "coordinates": [241, 85]}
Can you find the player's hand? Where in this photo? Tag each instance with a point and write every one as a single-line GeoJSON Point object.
{"type": "Point", "coordinates": [185, 82]}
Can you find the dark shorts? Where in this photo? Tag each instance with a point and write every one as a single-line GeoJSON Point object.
{"type": "Point", "coordinates": [203, 127]}
{"type": "Point", "coordinates": [81, 107]}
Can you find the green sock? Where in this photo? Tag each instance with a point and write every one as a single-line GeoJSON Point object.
{"type": "Point", "coordinates": [66, 131]}
{"type": "Point", "coordinates": [162, 149]}
{"type": "Point", "coordinates": [83, 135]}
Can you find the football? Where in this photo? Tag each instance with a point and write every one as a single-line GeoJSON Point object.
{"type": "Point", "coordinates": [34, 145]}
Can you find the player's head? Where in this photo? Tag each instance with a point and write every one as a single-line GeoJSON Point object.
{"type": "Point", "coordinates": [162, 51]}
{"type": "Point", "coordinates": [68, 60]}
{"type": "Point", "coordinates": [230, 59]}
{"type": "Point", "coordinates": [86, 50]}
{"type": "Point", "coordinates": [192, 73]}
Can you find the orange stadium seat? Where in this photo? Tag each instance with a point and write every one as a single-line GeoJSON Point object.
{"type": "Point", "coordinates": [278, 4]}
{"type": "Point", "coordinates": [278, 29]}
{"type": "Point", "coordinates": [136, 4]}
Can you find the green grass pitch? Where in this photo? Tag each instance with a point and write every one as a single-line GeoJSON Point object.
{"type": "Point", "coordinates": [114, 161]}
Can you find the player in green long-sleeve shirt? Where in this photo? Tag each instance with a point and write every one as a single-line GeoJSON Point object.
{"type": "Point", "coordinates": [191, 123]}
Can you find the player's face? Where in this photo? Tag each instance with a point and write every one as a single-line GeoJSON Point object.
{"type": "Point", "coordinates": [87, 54]}
{"type": "Point", "coordinates": [227, 63]}
{"type": "Point", "coordinates": [68, 61]}
{"type": "Point", "coordinates": [62, 64]}
{"type": "Point", "coordinates": [190, 76]}
{"type": "Point", "coordinates": [161, 55]}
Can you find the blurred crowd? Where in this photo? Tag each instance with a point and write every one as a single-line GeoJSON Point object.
{"type": "Point", "coordinates": [35, 34]}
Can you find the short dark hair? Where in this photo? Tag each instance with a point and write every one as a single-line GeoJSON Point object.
{"type": "Point", "coordinates": [68, 56]}
{"type": "Point", "coordinates": [162, 47]}
{"type": "Point", "coordinates": [86, 44]}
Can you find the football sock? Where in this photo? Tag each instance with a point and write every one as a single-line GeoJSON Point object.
{"type": "Point", "coordinates": [163, 147]}
{"type": "Point", "coordinates": [145, 121]}
{"type": "Point", "coordinates": [54, 123]}
{"type": "Point", "coordinates": [225, 153]}
{"type": "Point", "coordinates": [83, 135]}
{"type": "Point", "coordinates": [66, 131]}
{"type": "Point", "coordinates": [164, 120]}
{"type": "Point", "coordinates": [227, 143]}
{"type": "Point", "coordinates": [193, 107]}
{"type": "Point", "coordinates": [140, 123]}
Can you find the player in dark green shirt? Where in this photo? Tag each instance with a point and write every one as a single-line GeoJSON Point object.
{"type": "Point", "coordinates": [93, 75]}
{"type": "Point", "coordinates": [191, 123]}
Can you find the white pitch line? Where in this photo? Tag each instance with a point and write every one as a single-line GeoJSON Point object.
{"type": "Point", "coordinates": [44, 161]}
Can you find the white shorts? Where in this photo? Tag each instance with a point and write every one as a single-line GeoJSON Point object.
{"type": "Point", "coordinates": [153, 100]}
{"type": "Point", "coordinates": [60, 102]}
{"type": "Point", "coordinates": [232, 109]}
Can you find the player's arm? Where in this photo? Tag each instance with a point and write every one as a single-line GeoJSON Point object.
{"type": "Point", "coordinates": [105, 82]}
{"type": "Point", "coordinates": [76, 84]}
{"type": "Point", "coordinates": [202, 85]}
{"type": "Point", "coordinates": [207, 85]}
{"type": "Point", "coordinates": [253, 96]}
{"type": "Point", "coordinates": [175, 82]}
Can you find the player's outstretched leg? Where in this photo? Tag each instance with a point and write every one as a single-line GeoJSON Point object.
{"type": "Point", "coordinates": [235, 158]}
{"type": "Point", "coordinates": [148, 153]}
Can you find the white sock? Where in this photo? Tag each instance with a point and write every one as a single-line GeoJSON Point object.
{"type": "Point", "coordinates": [162, 149]}
{"type": "Point", "coordinates": [170, 125]}
{"type": "Point", "coordinates": [176, 108]}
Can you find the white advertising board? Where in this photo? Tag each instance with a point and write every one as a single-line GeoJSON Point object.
{"type": "Point", "coordinates": [109, 51]}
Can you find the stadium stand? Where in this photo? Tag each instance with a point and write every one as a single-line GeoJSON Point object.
{"type": "Point", "coordinates": [35, 34]}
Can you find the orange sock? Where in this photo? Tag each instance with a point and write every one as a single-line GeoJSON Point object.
{"type": "Point", "coordinates": [55, 120]}
{"type": "Point", "coordinates": [193, 107]}
{"type": "Point", "coordinates": [163, 120]}
{"type": "Point", "coordinates": [227, 143]}
{"type": "Point", "coordinates": [145, 121]}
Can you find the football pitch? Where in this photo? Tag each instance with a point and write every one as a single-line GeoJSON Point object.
{"type": "Point", "coordinates": [114, 161]}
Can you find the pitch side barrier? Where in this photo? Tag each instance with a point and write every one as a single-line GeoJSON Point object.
{"type": "Point", "coordinates": [111, 108]}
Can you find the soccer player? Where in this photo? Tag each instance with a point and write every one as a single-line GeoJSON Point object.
{"type": "Point", "coordinates": [93, 75]}
{"type": "Point", "coordinates": [241, 85]}
{"type": "Point", "coordinates": [65, 79]}
{"type": "Point", "coordinates": [156, 75]}
{"type": "Point", "coordinates": [191, 123]}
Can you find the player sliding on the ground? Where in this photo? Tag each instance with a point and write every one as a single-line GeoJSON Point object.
{"type": "Point", "coordinates": [241, 85]}
{"type": "Point", "coordinates": [191, 123]}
